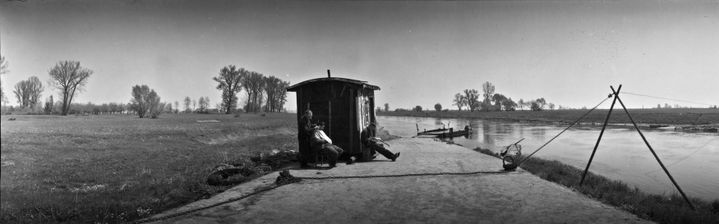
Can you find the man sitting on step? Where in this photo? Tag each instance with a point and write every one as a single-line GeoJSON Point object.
{"type": "Point", "coordinates": [375, 143]}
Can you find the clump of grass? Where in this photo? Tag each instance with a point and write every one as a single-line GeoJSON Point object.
{"type": "Point", "coordinates": [659, 208]}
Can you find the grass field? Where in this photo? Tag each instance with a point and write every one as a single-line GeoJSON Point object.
{"type": "Point", "coordinates": [644, 116]}
{"type": "Point", "coordinates": [658, 208]}
{"type": "Point", "coordinates": [117, 168]}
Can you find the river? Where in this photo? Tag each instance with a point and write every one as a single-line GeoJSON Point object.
{"type": "Point", "coordinates": [691, 158]}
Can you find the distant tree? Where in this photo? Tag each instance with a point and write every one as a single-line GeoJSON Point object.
{"type": "Point", "coordinates": [230, 82]}
{"type": "Point", "coordinates": [551, 106]}
{"type": "Point", "coordinates": [28, 92]}
{"type": "Point", "coordinates": [276, 91]}
{"type": "Point", "coordinates": [204, 104]}
{"type": "Point", "coordinates": [438, 107]}
{"type": "Point", "coordinates": [145, 100]}
{"type": "Point", "coordinates": [488, 91]}
{"type": "Point", "coordinates": [535, 106]}
{"type": "Point", "coordinates": [509, 104]}
{"type": "Point", "coordinates": [155, 106]}
{"type": "Point", "coordinates": [386, 107]}
{"type": "Point", "coordinates": [417, 108]}
{"type": "Point", "coordinates": [187, 102]}
{"type": "Point", "coordinates": [472, 97]}
{"type": "Point", "coordinates": [459, 101]}
{"type": "Point", "coordinates": [499, 100]}
{"type": "Point", "coordinates": [194, 105]}
{"type": "Point", "coordinates": [49, 103]}
{"type": "Point", "coordinates": [659, 106]}
{"type": "Point", "coordinates": [3, 70]}
{"type": "Point", "coordinates": [168, 107]}
{"type": "Point", "coordinates": [254, 86]}
{"type": "Point", "coordinates": [177, 107]}
{"type": "Point", "coordinates": [541, 102]}
{"type": "Point", "coordinates": [68, 77]}
{"type": "Point", "coordinates": [667, 106]}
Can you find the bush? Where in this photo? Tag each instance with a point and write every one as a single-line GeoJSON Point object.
{"type": "Point", "coordinates": [417, 108]}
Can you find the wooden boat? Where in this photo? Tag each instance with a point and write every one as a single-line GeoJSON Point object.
{"type": "Point", "coordinates": [445, 132]}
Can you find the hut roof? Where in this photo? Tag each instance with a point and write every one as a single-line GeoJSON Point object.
{"type": "Point", "coordinates": [360, 83]}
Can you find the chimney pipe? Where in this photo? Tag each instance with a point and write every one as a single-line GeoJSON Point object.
{"type": "Point", "coordinates": [328, 74]}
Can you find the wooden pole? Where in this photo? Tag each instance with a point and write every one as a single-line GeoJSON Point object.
{"type": "Point", "coordinates": [652, 150]}
{"type": "Point", "coordinates": [601, 133]}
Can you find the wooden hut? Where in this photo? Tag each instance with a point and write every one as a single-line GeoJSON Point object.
{"type": "Point", "coordinates": [345, 106]}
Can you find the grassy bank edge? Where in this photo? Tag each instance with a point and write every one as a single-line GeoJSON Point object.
{"type": "Point", "coordinates": [644, 117]}
{"type": "Point", "coordinates": [658, 208]}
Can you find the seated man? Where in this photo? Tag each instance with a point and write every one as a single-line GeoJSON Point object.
{"type": "Point", "coordinates": [321, 143]}
{"type": "Point", "coordinates": [375, 143]}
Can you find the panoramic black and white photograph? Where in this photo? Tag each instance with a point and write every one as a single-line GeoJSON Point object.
{"type": "Point", "coordinates": [274, 111]}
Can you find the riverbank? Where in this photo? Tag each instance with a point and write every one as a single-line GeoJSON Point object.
{"type": "Point", "coordinates": [662, 209]}
{"type": "Point", "coordinates": [682, 119]}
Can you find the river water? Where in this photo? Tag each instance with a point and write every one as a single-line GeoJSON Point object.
{"type": "Point", "coordinates": [691, 158]}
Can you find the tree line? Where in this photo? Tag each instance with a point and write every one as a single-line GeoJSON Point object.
{"type": "Point", "coordinates": [487, 100]}
{"type": "Point", "coordinates": [263, 93]}
{"type": "Point", "coordinates": [69, 78]}
{"type": "Point", "coordinates": [493, 101]}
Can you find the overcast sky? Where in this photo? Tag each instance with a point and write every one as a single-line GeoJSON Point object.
{"type": "Point", "coordinates": [418, 52]}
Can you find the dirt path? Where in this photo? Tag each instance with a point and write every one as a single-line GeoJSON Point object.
{"type": "Point", "coordinates": [517, 197]}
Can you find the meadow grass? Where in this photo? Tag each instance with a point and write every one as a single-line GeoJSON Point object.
{"type": "Point", "coordinates": [658, 208]}
{"type": "Point", "coordinates": [118, 168]}
{"type": "Point", "coordinates": [696, 116]}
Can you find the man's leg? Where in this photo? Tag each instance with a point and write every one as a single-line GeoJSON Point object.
{"type": "Point", "coordinates": [332, 154]}
{"type": "Point", "coordinates": [382, 150]}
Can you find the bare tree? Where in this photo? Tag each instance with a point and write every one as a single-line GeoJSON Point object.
{"type": "Point", "coordinates": [488, 89]}
{"type": "Point", "coordinates": [177, 107]}
{"type": "Point", "coordinates": [276, 91]}
{"type": "Point", "coordinates": [145, 100]}
{"type": "Point", "coordinates": [459, 101]}
{"type": "Point", "coordinates": [204, 103]}
{"type": "Point", "coordinates": [472, 97]}
{"type": "Point", "coordinates": [28, 92]}
{"type": "Point", "coordinates": [49, 104]}
{"type": "Point", "coordinates": [155, 106]}
{"type": "Point", "coordinates": [187, 102]}
{"type": "Point", "coordinates": [3, 70]}
{"type": "Point", "coordinates": [541, 102]}
{"type": "Point", "coordinates": [230, 82]}
{"type": "Point", "coordinates": [499, 101]}
{"type": "Point", "coordinates": [68, 77]}
{"type": "Point", "coordinates": [254, 86]}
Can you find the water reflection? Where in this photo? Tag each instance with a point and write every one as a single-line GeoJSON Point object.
{"type": "Point", "coordinates": [691, 158]}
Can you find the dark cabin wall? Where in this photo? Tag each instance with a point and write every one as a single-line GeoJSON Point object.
{"type": "Point", "coordinates": [333, 103]}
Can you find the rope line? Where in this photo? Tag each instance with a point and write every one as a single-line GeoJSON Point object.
{"type": "Point", "coordinates": [685, 158]}
{"type": "Point", "coordinates": [297, 179]}
{"type": "Point", "coordinates": [565, 129]}
{"type": "Point", "coordinates": [665, 98]}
